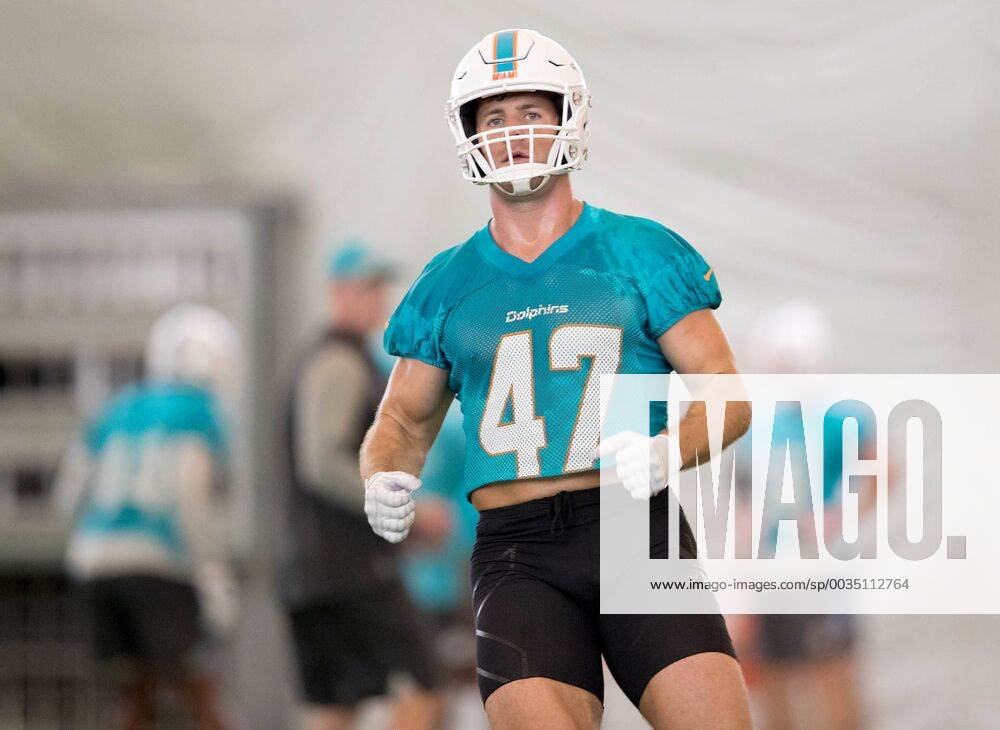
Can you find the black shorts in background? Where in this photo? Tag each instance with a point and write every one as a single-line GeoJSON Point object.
{"type": "Point", "coordinates": [147, 619]}
{"type": "Point", "coordinates": [349, 648]}
{"type": "Point", "coordinates": [805, 638]}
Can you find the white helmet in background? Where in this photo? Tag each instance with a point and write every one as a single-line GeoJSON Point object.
{"type": "Point", "coordinates": [196, 344]}
{"type": "Point", "coordinates": [515, 61]}
{"type": "Point", "coordinates": [794, 337]}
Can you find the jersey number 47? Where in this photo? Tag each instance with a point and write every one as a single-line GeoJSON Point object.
{"type": "Point", "coordinates": [510, 424]}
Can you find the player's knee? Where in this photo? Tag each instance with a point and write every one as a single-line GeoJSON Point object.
{"type": "Point", "coordinates": [705, 688]}
{"type": "Point", "coordinates": [521, 703]}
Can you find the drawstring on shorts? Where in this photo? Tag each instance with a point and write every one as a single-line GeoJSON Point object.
{"type": "Point", "coordinates": [561, 512]}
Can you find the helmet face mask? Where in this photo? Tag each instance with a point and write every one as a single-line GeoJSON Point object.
{"type": "Point", "coordinates": [496, 66]}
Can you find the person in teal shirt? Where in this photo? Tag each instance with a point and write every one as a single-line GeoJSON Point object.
{"type": "Point", "coordinates": [139, 487]}
{"type": "Point", "coordinates": [518, 323]}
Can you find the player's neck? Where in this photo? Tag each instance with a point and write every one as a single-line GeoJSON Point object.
{"type": "Point", "coordinates": [525, 227]}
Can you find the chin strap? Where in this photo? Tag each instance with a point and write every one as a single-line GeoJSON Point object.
{"type": "Point", "coordinates": [520, 188]}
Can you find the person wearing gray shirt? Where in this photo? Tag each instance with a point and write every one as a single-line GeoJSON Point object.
{"type": "Point", "coordinates": [352, 622]}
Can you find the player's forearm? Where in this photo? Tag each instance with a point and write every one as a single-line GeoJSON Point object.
{"type": "Point", "coordinates": [693, 434]}
{"type": "Point", "coordinates": [390, 446]}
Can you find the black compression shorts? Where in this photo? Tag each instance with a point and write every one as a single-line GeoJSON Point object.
{"type": "Point", "coordinates": [535, 576]}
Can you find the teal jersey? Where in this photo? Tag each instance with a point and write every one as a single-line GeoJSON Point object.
{"type": "Point", "coordinates": [525, 343]}
{"type": "Point", "coordinates": [133, 442]}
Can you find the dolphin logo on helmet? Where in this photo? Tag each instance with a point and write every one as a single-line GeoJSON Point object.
{"type": "Point", "coordinates": [509, 62]}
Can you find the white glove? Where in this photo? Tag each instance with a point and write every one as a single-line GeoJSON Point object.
{"type": "Point", "coordinates": [217, 599]}
{"type": "Point", "coordinates": [641, 462]}
{"type": "Point", "coordinates": [389, 505]}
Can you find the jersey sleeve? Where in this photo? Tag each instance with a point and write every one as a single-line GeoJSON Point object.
{"type": "Point", "coordinates": [200, 415]}
{"type": "Point", "coordinates": [414, 329]}
{"type": "Point", "coordinates": [675, 279]}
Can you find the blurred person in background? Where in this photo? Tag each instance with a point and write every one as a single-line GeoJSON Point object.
{"type": "Point", "coordinates": [810, 657]}
{"type": "Point", "coordinates": [145, 544]}
{"type": "Point", "coordinates": [354, 627]}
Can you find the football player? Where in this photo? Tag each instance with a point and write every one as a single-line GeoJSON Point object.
{"type": "Point", "coordinates": [145, 544]}
{"type": "Point", "coordinates": [519, 322]}
{"type": "Point", "coordinates": [812, 655]}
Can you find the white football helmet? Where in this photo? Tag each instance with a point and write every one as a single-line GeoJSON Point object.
{"type": "Point", "coordinates": [509, 62]}
{"type": "Point", "coordinates": [793, 337]}
{"type": "Point", "coordinates": [195, 344]}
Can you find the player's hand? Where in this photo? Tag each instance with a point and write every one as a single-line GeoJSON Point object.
{"type": "Point", "coordinates": [389, 504]}
{"type": "Point", "coordinates": [641, 462]}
